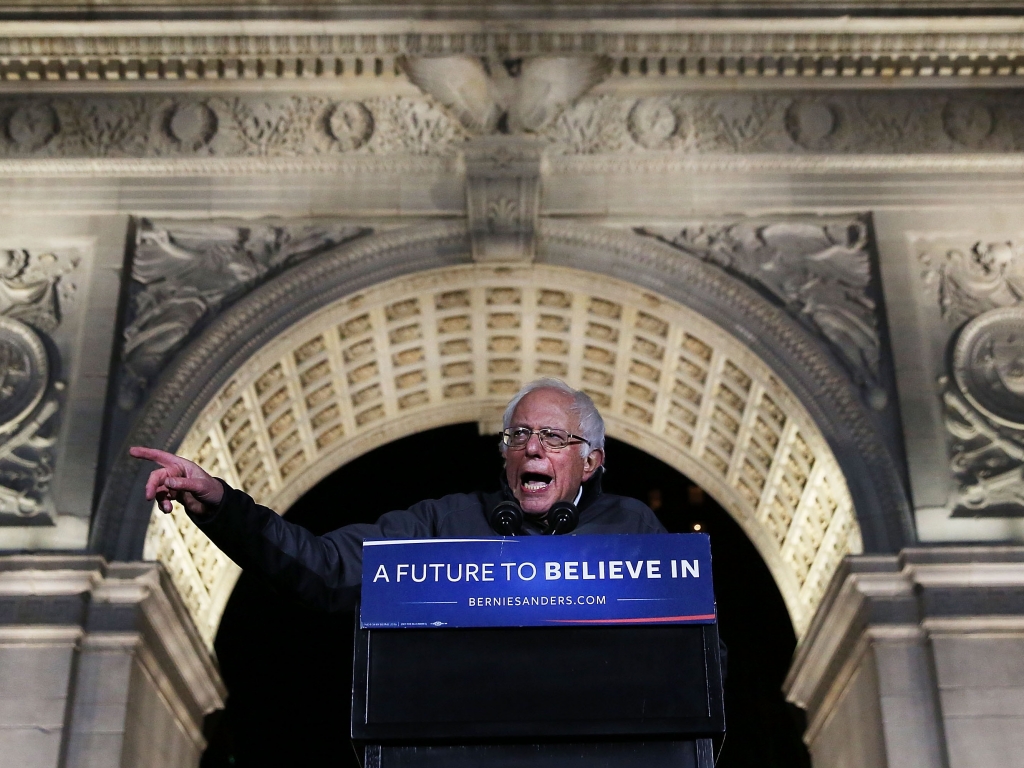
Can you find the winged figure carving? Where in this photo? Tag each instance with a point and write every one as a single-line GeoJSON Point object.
{"type": "Point", "coordinates": [519, 96]}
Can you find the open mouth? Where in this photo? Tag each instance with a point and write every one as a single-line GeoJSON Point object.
{"type": "Point", "coordinates": [534, 482]}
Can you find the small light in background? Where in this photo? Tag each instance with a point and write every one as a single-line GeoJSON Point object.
{"type": "Point", "coordinates": [695, 496]}
{"type": "Point", "coordinates": [696, 526]}
{"type": "Point", "coordinates": [654, 499]}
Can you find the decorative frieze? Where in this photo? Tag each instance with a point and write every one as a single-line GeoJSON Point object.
{"type": "Point", "coordinates": [837, 122]}
{"type": "Point", "coordinates": [258, 126]}
{"type": "Point", "coordinates": [193, 132]}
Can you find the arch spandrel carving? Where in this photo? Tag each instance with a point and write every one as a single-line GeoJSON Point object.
{"type": "Point", "coordinates": [453, 344]}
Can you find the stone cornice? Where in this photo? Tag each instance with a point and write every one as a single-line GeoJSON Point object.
{"type": "Point", "coordinates": [474, 9]}
{"type": "Point", "coordinates": [810, 51]}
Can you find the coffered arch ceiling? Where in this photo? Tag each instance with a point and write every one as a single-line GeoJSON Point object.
{"type": "Point", "coordinates": [341, 366]}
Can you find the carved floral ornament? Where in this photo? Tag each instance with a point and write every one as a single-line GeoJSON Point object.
{"type": "Point", "coordinates": [452, 345]}
{"type": "Point", "coordinates": [979, 288]}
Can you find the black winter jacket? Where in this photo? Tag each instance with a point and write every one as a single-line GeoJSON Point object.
{"type": "Point", "coordinates": [326, 571]}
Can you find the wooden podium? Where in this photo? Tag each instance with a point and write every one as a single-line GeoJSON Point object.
{"type": "Point", "coordinates": [619, 696]}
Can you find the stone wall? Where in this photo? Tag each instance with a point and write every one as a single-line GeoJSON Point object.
{"type": "Point", "coordinates": [100, 664]}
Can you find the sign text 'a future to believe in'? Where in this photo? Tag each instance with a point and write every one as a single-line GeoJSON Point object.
{"type": "Point", "coordinates": [537, 581]}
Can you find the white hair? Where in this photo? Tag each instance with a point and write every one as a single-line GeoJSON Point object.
{"type": "Point", "coordinates": [591, 426]}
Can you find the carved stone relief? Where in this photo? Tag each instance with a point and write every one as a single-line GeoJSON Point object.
{"type": "Point", "coordinates": [547, 100]}
{"type": "Point", "coordinates": [225, 126]}
{"type": "Point", "coordinates": [185, 272]}
{"type": "Point", "coordinates": [511, 96]}
{"type": "Point", "coordinates": [819, 269]}
{"type": "Point", "coordinates": [988, 365]}
{"type": "Point", "coordinates": [34, 289]}
{"type": "Point", "coordinates": [503, 197]}
{"type": "Point", "coordinates": [969, 278]}
{"type": "Point", "coordinates": [837, 122]}
{"type": "Point", "coordinates": [979, 288]}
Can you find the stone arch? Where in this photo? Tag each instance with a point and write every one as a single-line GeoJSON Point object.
{"type": "Point", "coordinates": [402, 332]}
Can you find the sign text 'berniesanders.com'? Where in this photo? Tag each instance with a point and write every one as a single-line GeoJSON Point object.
{"type": "Point", "coordinates": [537, 581]}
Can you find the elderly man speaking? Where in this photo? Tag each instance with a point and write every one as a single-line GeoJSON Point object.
{"type": "Point", "coordinates": [553, 443]}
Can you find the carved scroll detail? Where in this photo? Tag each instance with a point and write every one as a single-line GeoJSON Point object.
{"type": "Point", "coordinates": [31, 295]}
{"type": "Point", "coordinates": [183, 273]}
{"type": "Point", "coordinates": [979, 288]}
{"type": "Point", "coordinates": [819, 270]}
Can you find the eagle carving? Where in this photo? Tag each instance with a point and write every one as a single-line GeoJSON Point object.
{"type": "Point", "coordinates": [513, 96]}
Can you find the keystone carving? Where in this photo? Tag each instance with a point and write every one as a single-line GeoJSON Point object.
{"type": "Point", "coordinates": [503, 197]}
{"type": "Point", "coordinates": [820, 271]}
{"type": "Point", "coordinates": [184, 273]}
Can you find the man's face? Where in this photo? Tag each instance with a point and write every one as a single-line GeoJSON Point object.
{"type": "Point", "coordinates": [537, 475]}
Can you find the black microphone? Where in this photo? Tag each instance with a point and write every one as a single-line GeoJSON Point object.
{"type": "Point", "coordinates": [563, 517]}
{"type": "Point", "coordinates": [507, 518]}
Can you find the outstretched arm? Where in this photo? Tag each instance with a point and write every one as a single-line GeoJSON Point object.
{"type": "Point", "coordinates": [323, 571]}
{"type": "Point", "coordinates": [180, 480]}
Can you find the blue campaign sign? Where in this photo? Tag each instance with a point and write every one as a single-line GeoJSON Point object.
{"type": "Point", "coordinates": [537, 581]}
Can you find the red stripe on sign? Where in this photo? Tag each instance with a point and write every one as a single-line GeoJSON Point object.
{"type": "Point", "coordinates": [652, 620]}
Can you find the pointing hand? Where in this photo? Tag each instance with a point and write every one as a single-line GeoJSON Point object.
{"type": "Point", "coordinates": [179, 480]}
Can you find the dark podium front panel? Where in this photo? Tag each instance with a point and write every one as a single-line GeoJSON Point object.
{"type": "Point", "coordinates": [510, 684]}
{"type": "Point", "coordinates": [594, 697]}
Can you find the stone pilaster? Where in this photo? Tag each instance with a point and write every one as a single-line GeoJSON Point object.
{"type": "Point", "coordinates": [917, 661]}
{"type": "Point", "coordinates": [100, 665]}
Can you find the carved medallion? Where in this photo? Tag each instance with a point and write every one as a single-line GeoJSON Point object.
{"type": "Point", "coordinates": [809, 123]}
{"type": "Point", "coordinates": [653, 122]}
{"type": "Point", "coordinates": [24, 373]}
{"type": "Point", "coordinates": [350, 124]}
{"type": "Point", "coordinates": [32, 126]}
{"type": "Point", "coordinates": [967, 122]}
{"type": "Point", "coordinates": [192, 125]}
{"type": "Point", "coordinates": [988, 364]}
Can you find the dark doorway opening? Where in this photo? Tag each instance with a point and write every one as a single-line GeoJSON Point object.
{"type": "Point", "coordinates": [288, 669]}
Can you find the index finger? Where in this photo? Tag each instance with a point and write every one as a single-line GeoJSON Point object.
{"type": "Point", "coordinates": [163, 458]}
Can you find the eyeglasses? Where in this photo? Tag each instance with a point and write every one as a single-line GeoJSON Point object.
{"type": "Point", "coordinates": [552, 439]}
